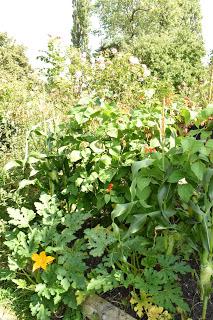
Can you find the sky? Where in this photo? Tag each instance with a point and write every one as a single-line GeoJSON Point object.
{"type": "Point", "coordinates": [31, 21]}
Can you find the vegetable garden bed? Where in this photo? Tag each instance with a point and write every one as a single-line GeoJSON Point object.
{"type": "Point", "coordinates": [115, 208]}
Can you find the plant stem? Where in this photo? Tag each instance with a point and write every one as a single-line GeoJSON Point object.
{"type": "Point", "coordinates": [205, 304]}
{"type": "Point", "coordinates": [28, 277]}
{"type": "Point", "coordinates": [162, 133]}
{"type": "Point", "coordinates": [211, 85]}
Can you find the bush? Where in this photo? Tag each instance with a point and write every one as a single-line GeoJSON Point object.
{"type": "Point", "coordinates": [114, 76]}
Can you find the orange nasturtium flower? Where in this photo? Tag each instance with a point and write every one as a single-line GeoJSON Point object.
{"type": "Point", "coordinates": [109, 188]}
{"type": "Point", "coordinates": [41, 260]}
{"type": "Point", "coordinates": [149, 150]}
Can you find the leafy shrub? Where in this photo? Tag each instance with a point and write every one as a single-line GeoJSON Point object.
{"type": "Point", "coordinates": [114, 76]}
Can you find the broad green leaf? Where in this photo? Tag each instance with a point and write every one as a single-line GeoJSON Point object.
{"type": "Point", "coordinates": [62, 149]}
{"type": "Point", "coordinates": [24, 183]}
{"type": "Point", "coordinates": [186, 114]}
{"type": "Point", "coordinates": [141, 164]}
{"type": "Point", "coordinates": [20, 218]}
{"type": "Point", "coordinates": [143, 194]}
{"type": "Point", "coordinates": [11, 164]}
{"type": "Point", "coordinates": [43, 313]}
{"type": "Point", "coordinates": [102, 283]}
{"type": "Point", "coordinates": [209, 144]}
{"type": "Point", "coordinates": [140, 219]}
{"type": "Point", "coordinates": [133, 189]}
{"type": "Point", "coordinates": [205, 234]}
{"type": "Point", "coordinates": [80, 297]}
{"type": "Point", "coordinates": [84, 101]}
{"type": "Point", "coordinates": [22, 284]}
{"type": "Point", "coordinates": [196, 209]}
{"type": "Point", "coordinates": [112, 132]}
{"type": "Point", "coordinates": [205, 113]}
{"type": "Point", "coordinates": [210, 192]}
{"type": "Point", "coordinates": [105, 175]}
{"type": "Point", "coordinates": [168, 213]}
{"type": "Point", "coordinates": [191, 145]}
{"type": "Point", "coordinates": [98, 239]}
{"type": "Point", "coordinates": [116, 231]}
{"type": "Point", "coordinates": [12, 263]}
{"type": "Point", "coordinates": [65, 284]}
{"type": "Point", "coordinates": [175, 176]}
{"type": "Point", "coordinates": [33, 172]}
{"type": "Point", "coordinates": [6, 274]}
{"type": "Point", "coordinates": [185, 191]}
{"type": "Point", "coordinates": [199, 169]}
{"type": "Point", "coordinates": [97, 147]}
{"type": "Point", "coordinates": [122, 209]}
{"type": "Point", "coordinates": [162, 193]}
{"type": "Point", "coordinates": [75, 155]}
{"type": "Point", "coordinates": [208, 175]}
{"type": "Point", "coordinates": [142, 182]}
{"type": "Point", "coordinates": [107, 198]}
{"type": "Point", "coordinates": [115, 150]}
{"type": "Point", "coordinates": [106, 160]}
{"type": "Point", "coordinates": [154, 143]}
{"type": "Point", "coordinates": [117, 199]}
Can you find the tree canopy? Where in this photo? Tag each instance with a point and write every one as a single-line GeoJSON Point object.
{"type": "Point", "coordinates": [13, 59]}
{"type": "Point", "coordinates": [165, 34]}
{"type": "Point", "coordinates": [80, 28]}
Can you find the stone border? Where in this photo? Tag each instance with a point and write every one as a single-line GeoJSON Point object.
{"type": "Point", "coordinates": [97, 308]}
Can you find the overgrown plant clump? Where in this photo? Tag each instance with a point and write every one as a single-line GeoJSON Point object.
{"type": "Point", "coordinates": [115, 76]}
{"type": "Point", "coordinates": [22, 99]}
{"type": "Point", "coordinates": [108, 185]}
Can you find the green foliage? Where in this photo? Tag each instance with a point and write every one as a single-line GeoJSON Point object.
{"type": "Point", "coordinates": [73, 75]}
{"type": "Point", "coordinates": [13, 60]}
{"type": "Point", "coordinates": [47, 229]}
{"type": "Point", "coordinates": [106, 161]}
{"type": "Point", "coordinates": [98, 240]}
{"type": "Point", "coordinates": [161, 277]}
{"type": "Point", "coordinates": [166, 35]}
{"type": "Point", "coordinates": [81, 23]}
{"type": "Point", "coordinates": [21, 99]}
{"type": "Point", "coordinates": [111, 193]}
{"type": "Point", "coordinates": [7, 132]}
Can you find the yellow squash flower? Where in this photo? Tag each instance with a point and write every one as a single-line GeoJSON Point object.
{"type": "Point", "coordinates": [41, 260]}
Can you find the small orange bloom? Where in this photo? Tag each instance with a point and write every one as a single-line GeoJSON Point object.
{"type": "Point", "coordinates": [109, 188]}
{"type": "Point", "coordinates": [41, 260]}
{"type": "Point", "coordinates": [149, 150]}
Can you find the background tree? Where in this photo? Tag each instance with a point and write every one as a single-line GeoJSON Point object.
{"type": "Point", "coordinates": [20, 97]}
{"type": "Point", "coordinates": [80, 28]}
{"type": "Point", "coordinates": [13, 59]}
{"type": "Point", "coordinates": [165, 34]}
